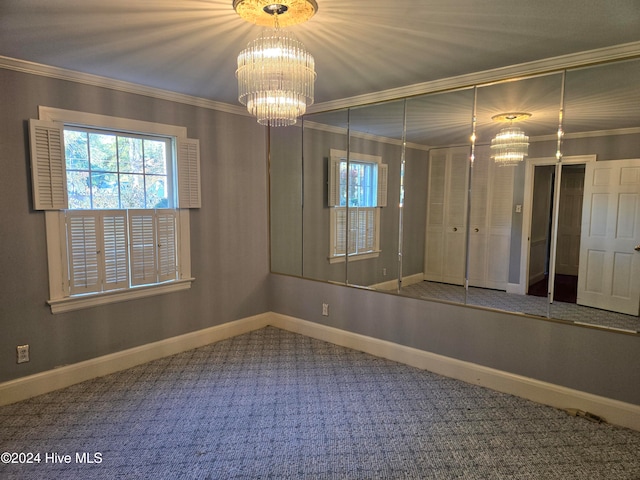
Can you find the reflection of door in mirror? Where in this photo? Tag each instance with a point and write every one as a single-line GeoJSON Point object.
{"type": "Point", "coordinates": [446, 215]}
{"type": "Point", "coordinates": [609, 276]}
{"type": "Point", "coordinates": [490, 221]}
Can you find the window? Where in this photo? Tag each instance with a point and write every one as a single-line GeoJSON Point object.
{"type": "Point", "coordinates": [116, 194]}
{"type": "Point", "coordinates": [117, 170]}
{"type": "Point", "coordinates": [357, 190]}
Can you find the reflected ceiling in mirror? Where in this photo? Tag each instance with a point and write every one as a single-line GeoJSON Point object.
{"type": "Point", "coordinates": [440, 119]}
{"type": "Point", "coordinates": [540, 97]}
{"type": "Point", "coordinates": [602, 98]}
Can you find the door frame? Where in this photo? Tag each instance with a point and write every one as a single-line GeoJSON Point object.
{"type": "Point", "coordinates": [525, 245]}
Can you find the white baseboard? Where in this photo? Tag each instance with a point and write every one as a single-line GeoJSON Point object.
{"type": "Point", "coordinates": [612, 411]}
{"type": "Point", "coordinates": [411, 279]}
{"type": "Point", "coordinates": [44, 382]}
{"type": "Point", "coordinates": [393, 284]}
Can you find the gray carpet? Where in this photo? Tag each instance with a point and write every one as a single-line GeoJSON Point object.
{"type": "Point", "coordinates": [531, 305]}
{"type": "Point", "coordinates": [275, 405]}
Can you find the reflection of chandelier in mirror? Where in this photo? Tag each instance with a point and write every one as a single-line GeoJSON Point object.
{"type": "Point", "coordinates": [275, 73]}
{"type": "Point", "coordinates": [510, 145]}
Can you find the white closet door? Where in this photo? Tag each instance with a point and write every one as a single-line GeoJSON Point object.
{"type": "Point", "coordinates": [433, 267]}
{"type": "Point", "coordinates": [499, 227]}
{"type": "Point", "coordinates": [455, 236]}
{"type": "Point", "coordinates": [490, 222]}
{"type": "Point", "coordinates": [478, 220]}
{"type": "Point", "coordinates": [446, 216]}
{"type": "Point", "coordinates": [609, 271]}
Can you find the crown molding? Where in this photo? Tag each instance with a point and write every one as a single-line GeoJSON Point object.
{"type": "Point", "coordinates": [537, 67]}
{"type": "Point", "coordinates": [42, 70]}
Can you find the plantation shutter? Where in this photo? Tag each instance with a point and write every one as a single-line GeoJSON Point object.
{"type": "Point", "coordinates": [116, 255]}
{"type": "Point", "coordinates": [166, 231]}
{"type": "Point", "coordinates": [383, 174]}
{"type": "Point", "coordinates": [142, 247]}
{"type": "Point", "coordinates": [189, 173]}
{"type": "Point", "coordinates": [84, 252]}
{"type": "Point", "coordinates": [366, 229]}
{"type": "Point", "coordinates": [353, 229]}
{"type": "Point", "coordinates": [340, 241]}
{"type": "Point", "coordinates": [48, 169]}
{"type": "Point", "coordinates": [333, 194]}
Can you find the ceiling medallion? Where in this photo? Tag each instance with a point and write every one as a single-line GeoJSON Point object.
{"type": "Point", "coordinates": [511, 117]}
{"type": "Point", "coordinates": [289, 12]}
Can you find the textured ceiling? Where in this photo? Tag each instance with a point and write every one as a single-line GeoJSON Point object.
{"type": "Point", "coordinates": [360, 47]}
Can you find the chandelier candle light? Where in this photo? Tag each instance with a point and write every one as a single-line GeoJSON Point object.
{"type": "Point", "coordinates": [275, 73]}
{"type": "Point", "coordinates": [510, 145]}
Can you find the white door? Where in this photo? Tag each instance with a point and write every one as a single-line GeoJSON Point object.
{"type": "Point", "coordinates": [490, 222]}
{"type": "Point", "coordinates": [609, 271]}
{"type": "Point", "coordinates": [446, 216]}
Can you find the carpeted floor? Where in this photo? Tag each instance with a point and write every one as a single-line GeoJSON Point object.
{"type": "Point", "coordinates": [528, 304]}
{"type": "Point", "coordinates": [275, 405]}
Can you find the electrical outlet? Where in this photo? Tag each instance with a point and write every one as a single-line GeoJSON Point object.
{"type": "Point", "coordinates": [384, 272]}
{"type": "Point", "coordinates": [325, 309]}
{"type": "Point", "coordinates": [23, 353]}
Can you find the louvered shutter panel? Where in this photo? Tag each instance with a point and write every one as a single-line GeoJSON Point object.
{"type": "Point", "coordinates": [341, 231]}
{"type": "Point", "coordinates": [353, 229]}
{"type": "Point", "coordinates": [436, 189]}
{"type": "Point", "coordinates": [116, 255]}
{"type": "Point", "coordinates": [333, 195]}
{"type": "Point", "coordinates": [383, 182]}
{"type": "Point", "coordinates": [366, 229]}
{"type": "Point", "coordinates": [142, 247]}
{"type": "Point", "coordinates": [189, 173]}
{"type": "Point", "coordinates": [166, 232]}
{"type": "Point", "coordinates": [84, 252]}
{"type": "Point", "coordinates": [48, 168]}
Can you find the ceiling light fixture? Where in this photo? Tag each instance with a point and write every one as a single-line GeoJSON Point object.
{"type": "Point", "coordinates": [510, 145]}
{"type": "Point", "coordinates": [275, 73]}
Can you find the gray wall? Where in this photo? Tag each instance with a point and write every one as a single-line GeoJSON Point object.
{"type": "Point", "coordinates": [229, 234]}
{"type": "Point", "coordinates": [599, 362]}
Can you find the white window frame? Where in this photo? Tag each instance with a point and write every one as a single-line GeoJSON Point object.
{"type": "Point", "coordinates": [335, 157]}
{"type": "Point", "coordinates": [60, 299]}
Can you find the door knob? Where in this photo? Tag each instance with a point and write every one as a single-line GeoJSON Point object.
{"type": "Point", "coordinates": [637, 248]}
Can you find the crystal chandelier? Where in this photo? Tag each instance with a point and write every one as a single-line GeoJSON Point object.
{"type": "Point", "coordinates": [510, 145]}
{"type": "Point", "coordinates": [275, 73]}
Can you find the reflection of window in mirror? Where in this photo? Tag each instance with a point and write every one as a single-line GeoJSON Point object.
{"type": "Point", "coordinates": [357, 191]}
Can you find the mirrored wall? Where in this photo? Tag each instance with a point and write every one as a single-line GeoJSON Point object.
{"type": "Point", "coordinates": [521, 195]}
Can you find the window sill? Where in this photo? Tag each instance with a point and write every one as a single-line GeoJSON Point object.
{"type": "Point", "coordinates": [70, 304]}
{"type": "Point", "coordinates": [355, 256]}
